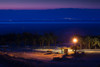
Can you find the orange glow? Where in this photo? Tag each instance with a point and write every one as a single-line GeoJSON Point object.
{"type": "Point", "coordinates": [75, 40]}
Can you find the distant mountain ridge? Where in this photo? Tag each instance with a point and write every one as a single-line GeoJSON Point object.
{"type": "Point", "coordinates": [52, 15]}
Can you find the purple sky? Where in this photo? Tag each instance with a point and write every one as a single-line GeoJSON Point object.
{"type": "Point", "coordinates": [49, 4]}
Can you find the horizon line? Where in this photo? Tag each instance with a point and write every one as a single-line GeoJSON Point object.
{"type": "Point", "coordinates": [53, 9]}
{"type": "Point", "coordinates": [49, 23]}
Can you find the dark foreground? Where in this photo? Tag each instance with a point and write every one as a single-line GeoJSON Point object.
{"type": "Point", "coordinates": [89, 60]}
{"type": "Point", "coordinates": [7, 61]}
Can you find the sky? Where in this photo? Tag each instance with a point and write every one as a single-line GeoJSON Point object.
{"type": "Point", "coordinates": [49, 4]}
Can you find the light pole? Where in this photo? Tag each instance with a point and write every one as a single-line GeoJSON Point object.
{"type": "Point", "coordinates": [75, 40]}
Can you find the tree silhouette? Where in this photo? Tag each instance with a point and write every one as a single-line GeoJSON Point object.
{"type": "Point", "coordinates": [18, 39]}
{"type": "Point", "coordinates": [88, 42]}
{"type": "Point", "coordinates": [42, 40]}
{"type": "Point", "coordinates": [96, 42]}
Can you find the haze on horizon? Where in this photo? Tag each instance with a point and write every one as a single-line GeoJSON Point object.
{"type": "Point", "coordinates": [49, 4]}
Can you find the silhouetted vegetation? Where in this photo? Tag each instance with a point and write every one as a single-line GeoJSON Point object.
{"type": "Point", "coordinates": [29, 39]}
{"type": "Point", "coordinates": [84, 42]}
{"type": "Point", "coordinates": [88, 42]}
